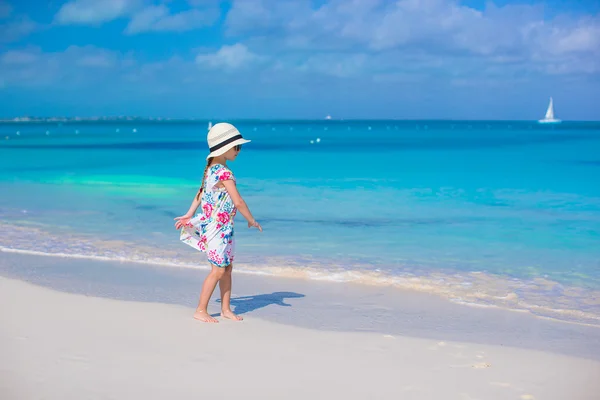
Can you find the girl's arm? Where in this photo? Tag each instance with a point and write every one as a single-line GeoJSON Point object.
{"type": "Point", "coordinates": [240, 204]}
{"type": "Point", "coordinates": [185, 218]}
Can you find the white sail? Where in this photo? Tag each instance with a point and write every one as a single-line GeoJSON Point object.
{"type": "Point", "coordinates": [550, 110]}
{"type": "Point", "coordinates": [549, 117]}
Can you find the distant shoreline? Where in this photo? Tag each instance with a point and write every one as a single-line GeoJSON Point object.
{"type": "Point", "coordinates": [37, 120]}
{"type": "Point", "coordinates": [92, 119]}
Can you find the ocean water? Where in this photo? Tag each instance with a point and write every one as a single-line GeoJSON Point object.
{"type": "Point", "coordinates": [486, 213]}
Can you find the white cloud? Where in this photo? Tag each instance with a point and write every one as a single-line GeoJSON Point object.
{"type": "Point", "coordinates": [143, 17]}
{"type": "Point", "coordinates": [74, 66]}
{"type": "Point", "coordinates": [338, 65]}
{"type": "Point", "coordinates": [16, 29]}
{"type": "Point", "coordinates": [204, 3]}
{"type": "Point", "coordinates": [583, 37]}
{"type": "Point", "coordinates": [445, 29]}
{"type": "Point", "coordinates": [158, 18]}
{"type": "Point", "coordinates": [95, 12]}
{"type": "Point", "coordinates": [19, 57]}
{"type": "Point", "coordinates": [98, 59]}
{"type": "Point", "coordinates": [94, 57]}
{"type": "Point", "coordinates": [229, 57]}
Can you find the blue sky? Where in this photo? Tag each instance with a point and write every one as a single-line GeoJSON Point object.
{"type": "Point", "coordinates": [215, 59]}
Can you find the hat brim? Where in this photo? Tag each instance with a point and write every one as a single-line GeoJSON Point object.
{"type": "Point", "coordinates": [225, 149]}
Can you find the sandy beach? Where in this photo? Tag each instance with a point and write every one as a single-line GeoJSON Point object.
{"type": "Point", "coordinates": [57, 345]}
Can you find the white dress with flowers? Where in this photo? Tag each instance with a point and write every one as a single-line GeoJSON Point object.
{"type": "Point", "coordinates": [211, 230]}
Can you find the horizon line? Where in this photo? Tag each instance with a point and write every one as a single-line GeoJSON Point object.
{"type": "Point", "coordinates": [38, 119]}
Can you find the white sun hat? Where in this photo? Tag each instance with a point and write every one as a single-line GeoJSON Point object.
{"type": "Point", "coordinates": [222, 137]}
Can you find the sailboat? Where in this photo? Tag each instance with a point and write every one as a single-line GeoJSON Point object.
{"type": "Point", "coordinates": [549, 117]}
{"type": "Point", "coordinates": [209, 125]}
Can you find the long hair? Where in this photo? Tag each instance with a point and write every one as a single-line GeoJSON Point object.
{"type": "Point", "coordinates": [203, 178]}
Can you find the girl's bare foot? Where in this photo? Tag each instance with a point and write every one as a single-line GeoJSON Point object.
{"type": "Point", "coordinates": [204, 317]}
{"type": "Point", "coordinates": [230, 315]}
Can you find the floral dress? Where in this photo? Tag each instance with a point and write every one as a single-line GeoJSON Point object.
{"type": "Point", "coordinates": [211, 230]}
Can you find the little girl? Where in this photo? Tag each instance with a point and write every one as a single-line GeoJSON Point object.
{"type": "Point", "coordinates": [211, 231]}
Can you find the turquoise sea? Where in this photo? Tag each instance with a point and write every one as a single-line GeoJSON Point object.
{"type": "Point", "coordinates": [487, 213]}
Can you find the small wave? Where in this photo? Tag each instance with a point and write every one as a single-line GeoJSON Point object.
{"type": "Point", "coordinates": [149, 261]}
{"type": "Point", "coordinates": [538, 296]}
{"type": "Point", "coordinates": [475, 289]}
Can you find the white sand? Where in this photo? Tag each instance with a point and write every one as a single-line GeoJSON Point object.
{"type": "Point", "coordinates": [64, 346]}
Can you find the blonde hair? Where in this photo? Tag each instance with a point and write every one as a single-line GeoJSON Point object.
{"type": "Point", "coordinates": [204, 177]}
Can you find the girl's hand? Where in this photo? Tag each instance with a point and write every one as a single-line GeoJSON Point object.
{"type": "Point", "coordinates": [181, 221]}
{"type": "Point", "coordinates": [254, 224]}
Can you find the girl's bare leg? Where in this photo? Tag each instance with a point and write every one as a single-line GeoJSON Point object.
{"type": "Point", "coordinates": [208, 287]}
{"type": "Point", "coordinates": [225, 286]}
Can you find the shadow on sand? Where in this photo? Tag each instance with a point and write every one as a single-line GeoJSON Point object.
{"type": "Point", "coordinates": [246, 304]}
